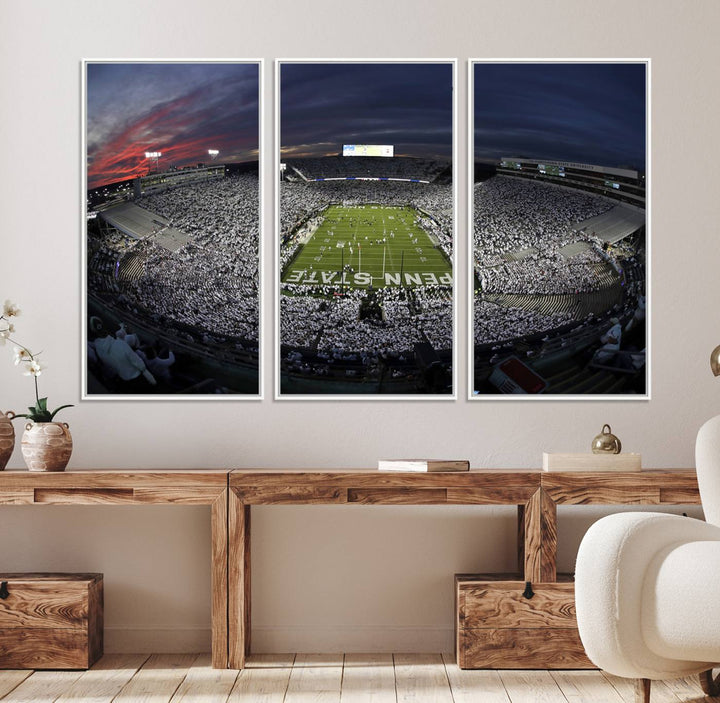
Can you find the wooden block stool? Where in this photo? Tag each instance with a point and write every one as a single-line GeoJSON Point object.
{"type": "Point", "coordinates": [50, 621]}
{"type": "Point", "coordinates": [503, 622]}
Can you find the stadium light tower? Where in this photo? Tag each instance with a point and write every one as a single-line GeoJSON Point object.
{"type": "Point", "coordinates": [213, 154]}
{"type": "Point", "coordinates": [154, 155]}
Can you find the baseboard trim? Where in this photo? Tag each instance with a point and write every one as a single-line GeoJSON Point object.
{"type": "Point", "coordinates": [352, 638]}
{"type": "Point", "coordinates": [148, 640]}
{"type": "Point", "coordinates": [277, 640]}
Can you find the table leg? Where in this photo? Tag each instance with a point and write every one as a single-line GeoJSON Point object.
{"type": "Point", "coordinates": [238, 581]}
{"type": "Point", "coordinates": [537, 538]}
{"type": "Point", "coordinates": [219, 615]}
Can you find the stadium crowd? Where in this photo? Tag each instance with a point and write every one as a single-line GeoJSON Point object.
{"type": "Point", "coordinates": [498, 323]}
{"type": "Point", "coordinates": [366, 167]}
{"type": "Point", "coordinates": [211, 283]}
{"type": "Point", "coordinates": [533, 220]}
{"type": "Point", "coordinates": [334, 326]}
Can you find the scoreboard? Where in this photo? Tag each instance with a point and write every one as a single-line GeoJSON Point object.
{"type": "Point", "coordinates": [367, 150]}
{"type": "Point", "coordinates": [507, 163]}
{"type": "Point", "coordinates": [551, 170]}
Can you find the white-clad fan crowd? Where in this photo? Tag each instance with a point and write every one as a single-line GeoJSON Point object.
{"type": "Point", "coordinates": [367, 167]}
{"type": "Point", "coordinates": [212, 282]}
{"type": "Point", "coordinates": [332, 326]}
{"type": "Point", "coordinates": [516, 215]}
{"type": "Point", "coordinates": [498, 323]}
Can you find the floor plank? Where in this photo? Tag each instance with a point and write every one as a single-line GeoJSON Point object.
{"type": "Point", "coordinates": [315, 677]}
{"type": "Point", "coordinates": [474, 685]}
{"type": "Point", "coordinates": [11, 678]}
{"type": "Point", "coordinates": [105, 680]}
{"type": "Point", "coordinates": [264, 679]}
{"type": "Point", "coordinates": [203, 684]}
{"type": "Point", "coordinates": [368, 678]}
{"type": "Point", "coordinates": [659, 692]}
{"type": "Point", "coordinates": [330, 678]}
{"type": "Point", "coordinates": [43, 687]}
{"type": "Point", "coordinates": [531, 687]}
{"type": "Point", "coordinates": [686, 688]}
{"type": "Point", "coordinates": [158, 680]}
{"type": "Point", "coordinates": [586, 687]}
{"type": "Point", "coordinates": [421, 677]}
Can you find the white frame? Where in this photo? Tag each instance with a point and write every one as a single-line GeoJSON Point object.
{"type": "Point", "coordinates": [261, 230]}
{"type": "Point", "coordinates": [276, 233]}
{"type": "Point", "coordinates": [470, 272]}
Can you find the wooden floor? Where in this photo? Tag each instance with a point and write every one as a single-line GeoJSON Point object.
{"type": "Point", "coordinates": [352, 678]}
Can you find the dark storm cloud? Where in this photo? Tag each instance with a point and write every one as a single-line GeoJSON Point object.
{"type": "Point", "coordinates": [326, 105]}
{"type": "Point", "coordinates": [181, 110]}
{"type": "Point", "coordinates": [590, 113]}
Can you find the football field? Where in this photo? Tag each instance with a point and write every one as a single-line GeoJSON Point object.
{"type": "Point", "coordinates": [365, 245]}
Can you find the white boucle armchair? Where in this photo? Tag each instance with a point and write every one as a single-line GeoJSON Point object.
{"type": "Point", "coordinates": [647, 586]}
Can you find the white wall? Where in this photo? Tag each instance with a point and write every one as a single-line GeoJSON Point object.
{"type": "Point", "coordinates": [367, 577]}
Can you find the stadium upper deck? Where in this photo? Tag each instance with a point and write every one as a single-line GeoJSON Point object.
{"type": "Point", "coordinates": [625, 185]}
{"type": "Point", "coordinates": [365, 167]}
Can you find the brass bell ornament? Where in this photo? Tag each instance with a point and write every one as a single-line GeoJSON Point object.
{"type": "Point", "coordinates": [606, 442]}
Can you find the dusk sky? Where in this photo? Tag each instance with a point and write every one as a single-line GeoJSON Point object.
{"type": "Point", "coordinates": [326, 105]}
{"type": "Point", "coordinates": [592, 113]}
{"type": "Point", "coordinates": [179, 109]}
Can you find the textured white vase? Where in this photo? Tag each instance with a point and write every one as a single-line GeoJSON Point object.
{"type": "Point", "coordinates": [46, 446]}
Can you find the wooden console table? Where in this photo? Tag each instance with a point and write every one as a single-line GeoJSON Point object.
{"type": "Point", "coordinates": [537, 495]}
{"type": "Point", "coordinates": [201, 487]}
{"type": "Point", "coordinates": [231, 495]}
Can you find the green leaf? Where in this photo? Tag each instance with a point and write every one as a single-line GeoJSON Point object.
{"type": "Point", "coordinates": [33, 409]}
{"type": "Point", "coordinates": [42, 404]}
{"type": "Point", "coordinates": [57, 410]}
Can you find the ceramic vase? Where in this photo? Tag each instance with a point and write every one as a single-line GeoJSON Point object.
{"type": "Point", "coordinates": [7, 437]}
{"type": "Point", "coordinates": [46, 446]}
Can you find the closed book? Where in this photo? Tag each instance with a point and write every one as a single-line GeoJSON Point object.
{"type": "Point", "coordinates": [592, 462]}
{"type": "Point", "coordinates": [423, 465]}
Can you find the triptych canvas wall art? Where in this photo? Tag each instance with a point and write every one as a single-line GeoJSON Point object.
{"type": "Point", "coordinates": [366, 215]}
{"type": "Point", "coordinates": [364, 261]}
{"type": "Point", "coordinates": [559, 244]}
{"type": "Point", "coordinates": [173, 229]}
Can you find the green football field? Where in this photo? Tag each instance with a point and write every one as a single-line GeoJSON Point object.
{"type": "Point", "coordinates": [369, 244]}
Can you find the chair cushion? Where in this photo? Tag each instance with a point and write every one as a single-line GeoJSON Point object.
{"type": "Point", "coordinates": [612, 564]}
{"type": "Point", "coordinates": [681, 602]}
{"type": "Point", "coordinates": [707, 459]}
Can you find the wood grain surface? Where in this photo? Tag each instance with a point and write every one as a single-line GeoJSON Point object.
{"type": "Point", "coordinates": [239, 606]}
{"type": "Point", "coordinates": [368, 678]}
{"type": "Point", "coordinates": [650, 487]}
{"type": "Point", "coordinates": [392, 496]}
{"type": "Point", "coordinates": [421, 677]}
{"type": "Point", "coordinates": [157, 681]}
{"type": "Point", "coordinates": [46, 603]}
{"type": "Point", "coordinates": [47, 648]}
{"type": "Point", "coordinates": [538, 533]}
{"type": "Point", "coordinates": [117, 487]}
{"type": "Point", "coordinates": [219, 580]}
{"type": "Point", "coordinates": [522, 648]}
{"type": "Point", "coordinates": [51, 621]}
{"type": "Point", "coordinates": [502, 604]}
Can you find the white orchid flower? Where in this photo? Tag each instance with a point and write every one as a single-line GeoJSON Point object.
{"type": "Point", "coordinates": [10, 309]}
{"type": "Point", "coordinates": [22, 355]}
{"type": "Point", "coordinates": [33, 368]}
